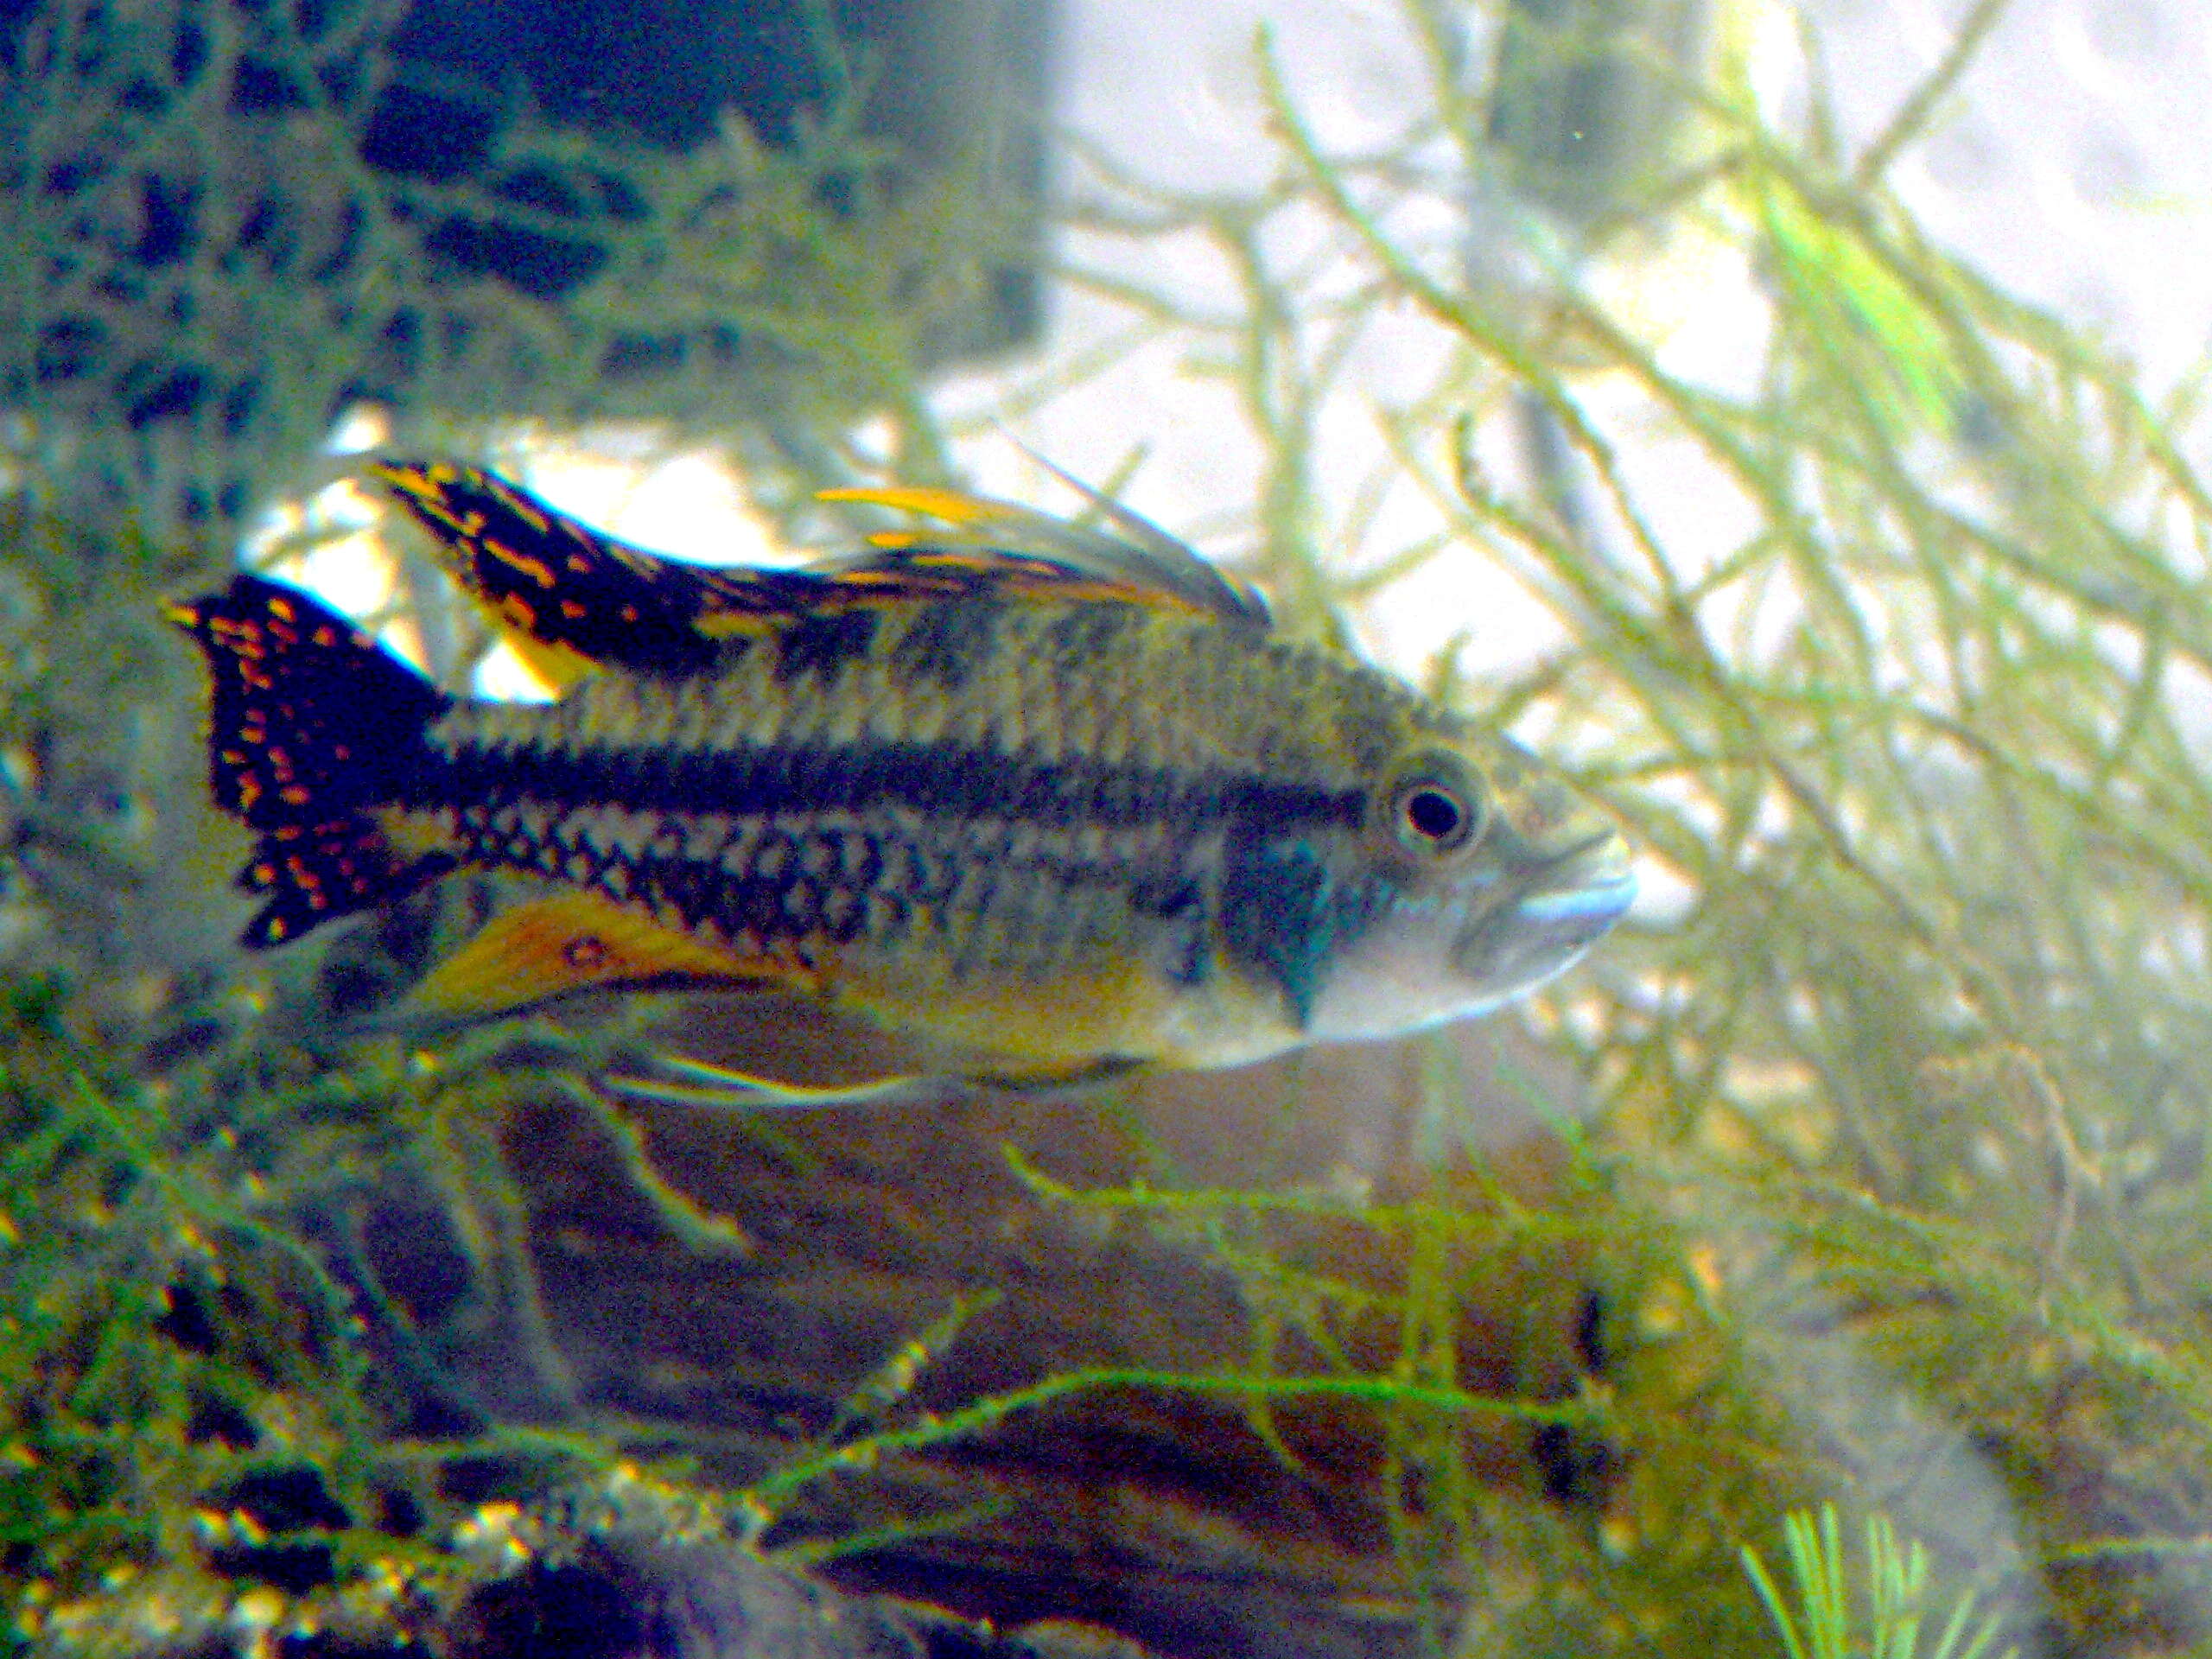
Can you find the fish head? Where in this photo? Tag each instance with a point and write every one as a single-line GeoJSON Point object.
{"type": "Point", "coordinates": [1482, 874]}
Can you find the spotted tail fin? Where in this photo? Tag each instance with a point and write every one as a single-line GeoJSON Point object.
{"type": "Point", "coordinates": [312, 726]}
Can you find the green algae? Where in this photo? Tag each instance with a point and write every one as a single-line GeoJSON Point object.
{"type": "Point", "coordinates": [1826, 1623]}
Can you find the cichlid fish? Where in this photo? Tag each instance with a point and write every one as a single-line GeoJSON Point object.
{"type": "Point", "coordinates": [1056, 798]}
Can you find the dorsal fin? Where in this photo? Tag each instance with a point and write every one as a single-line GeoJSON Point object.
{"type": "Point", "coordinates": [1030, 551]}
{"type": "Point", "coordinates": [569, 598]}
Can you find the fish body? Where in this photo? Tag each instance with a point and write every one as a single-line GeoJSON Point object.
{"type": "Point", "coordinates": [1055, 798]}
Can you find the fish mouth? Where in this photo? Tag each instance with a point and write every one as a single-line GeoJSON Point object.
{"type": "Point", "coordinates": [1552, 911]}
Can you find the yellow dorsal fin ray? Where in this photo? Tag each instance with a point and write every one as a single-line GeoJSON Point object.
{"type": "Point", "coordinates": [953, 506]}
{"type": "Point", "coordinates": [1017, 547]}
{"type": "Point", "coordinates": [571, 942]}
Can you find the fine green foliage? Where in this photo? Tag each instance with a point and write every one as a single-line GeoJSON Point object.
{"type": "Point", "coordinates": [182, 1351]}
{"type": "Point", "coordinates": [1826, 1624]}
{"type": "Point", "coordinates": [237, 266]}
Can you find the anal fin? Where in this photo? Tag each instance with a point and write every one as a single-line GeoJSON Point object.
{"type": "Point", "coordinates": [571, 942]}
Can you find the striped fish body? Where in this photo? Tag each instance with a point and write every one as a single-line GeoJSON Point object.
{"type": "Point", "coordinates": [1044, 814]}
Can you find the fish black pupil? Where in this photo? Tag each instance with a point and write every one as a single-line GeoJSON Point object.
{"type": "Point", "coordinates": [1434, 815]}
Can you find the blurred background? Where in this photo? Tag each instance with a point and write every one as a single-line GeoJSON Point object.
{"type": "Point", "coordinates": [1787, 418]}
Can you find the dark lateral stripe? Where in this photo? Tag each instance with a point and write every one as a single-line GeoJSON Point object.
{"type": "Point", "coordinates": [953, 783]}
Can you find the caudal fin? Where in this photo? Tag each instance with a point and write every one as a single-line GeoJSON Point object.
{"type": "Point", "coordinates": [312, 728]}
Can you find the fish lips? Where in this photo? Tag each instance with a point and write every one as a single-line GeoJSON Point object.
{"type": "Point", "coordinates": [1546, 917]}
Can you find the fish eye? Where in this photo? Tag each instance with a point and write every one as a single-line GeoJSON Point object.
{"type": "Point", "coordinates": [1434, 815]}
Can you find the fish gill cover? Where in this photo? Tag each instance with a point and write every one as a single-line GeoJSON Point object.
{"type": "Point", "coordinates": [1877, 1170]}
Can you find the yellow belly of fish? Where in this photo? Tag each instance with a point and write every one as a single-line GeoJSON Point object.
{"type": "Point", "coordinates": [1072, 1018]}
